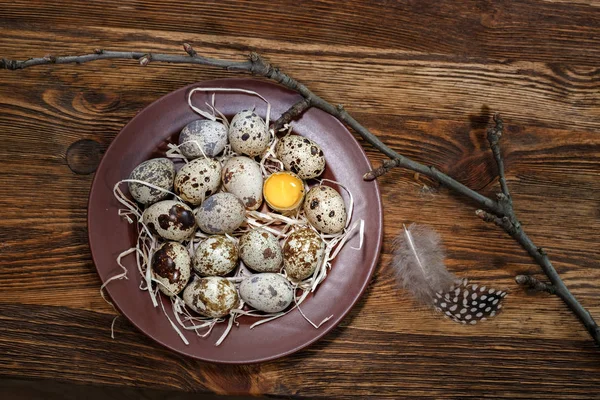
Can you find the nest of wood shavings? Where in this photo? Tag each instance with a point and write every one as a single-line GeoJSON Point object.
{"type": "Point", "coordinates": [281, 226]}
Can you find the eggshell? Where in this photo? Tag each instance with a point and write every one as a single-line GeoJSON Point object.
{"type": "Point", "coordinates": [198, 179]}
{"type": "Point", "coordinates": [158, 172]}
{"type": "Point", "coordinates": [325, 209]}
{"type": "Point", "coordinates": [243, 177]}
{"type": "Point", "coordinates": [170, 220]}
{"type": "Point", "coordinates": [260, 251]}
{"type": "Point", "coordinates": [302, 253]}
{"type": "Point", "coordinates": [248, 134]}
{"type": "Point", "coordinates": [210, 135]}
{"type": "Point", "coordinates": [272, 182]}
{"type": "Point", "coordinates": [215, 256]}
{"type": "Point", "coordinates": [267, 292]}
{"type": "Point", "coordinates": [220, 213]}
{"type": "Point", "coordinates": [171, 266]}
{"type": "Point", "coordinates": [301, 155]}
{"type": "Point", "coordinates": [212, 296]}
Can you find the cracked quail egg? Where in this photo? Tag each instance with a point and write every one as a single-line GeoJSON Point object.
{"type": "Point", "coordinates": [212, 296]}
{"type": "Point", "coordinates": [198, 179]}
{"type": "Point", "coordinates": [301, 155]}
{"type": "Point", "coordinates": [283, 191]}
{"type": "Point", "coordinates": [325, 209]}
{"type": "Point", "coordinates": [211, 136]}
{"type": "Point", "coordinates": [171, 265]}
{"type": "Point", "coordinates": [248, 134]}
{"type": "Point", "coordinates": [221, 213]}
{"type": "Point", "coordinates": [243, 177]}
{"type": "Point", "coordinates": [215, 256]}
{"type": "Point", "coordinates": [260, 251]}
{"type": "Point", "coordinates": [170, 220]}
{"type": "Point", "coordinates": [302, 252]}
{"type": "Point", "coordinates": [267, 292]}
{"type": "Point", "coordinates": [158, 172]}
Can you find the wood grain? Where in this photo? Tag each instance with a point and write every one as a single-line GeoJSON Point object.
{"type": "Point", "coordinates": [46, 389]}
{"type": "Point", "coordinates": [425, 77]}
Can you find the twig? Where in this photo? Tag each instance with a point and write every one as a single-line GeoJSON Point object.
{"type": "Point", "coordinates": [292, 113]}
{"type": "Point", "coordinates": [512, 226]}
{"type": "Point", "coordinates": [499, 211]}
{"type": "Point", "coordinates": [494, 134]}
{"type": "Point", "coordinates": [534, 284]}
{"type": "Point", "coordinates": [189, 49]}
{"type": "Point", "coordinates": [561, 289]}
{"type": "Point", "coordinates": [100, 54]}
{"type": "Point", "coordinates": [386, 166]}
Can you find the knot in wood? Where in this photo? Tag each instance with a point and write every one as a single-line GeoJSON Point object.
{"type": "Point", "coordinates": [83, 156]}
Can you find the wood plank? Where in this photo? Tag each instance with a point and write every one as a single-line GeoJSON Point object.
{"type": "Point", "coordinates": [525, 30]}
{"type": "Point", "coordinates": [46, 389]}
{"type": "Point", "coordinates": [38, 342]}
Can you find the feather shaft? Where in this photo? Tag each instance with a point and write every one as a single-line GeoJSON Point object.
{"type": "Point", "coordinates": [412, 247]}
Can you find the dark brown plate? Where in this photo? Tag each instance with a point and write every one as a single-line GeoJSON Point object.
{"type": "Point", "coordinates": [109, 235]}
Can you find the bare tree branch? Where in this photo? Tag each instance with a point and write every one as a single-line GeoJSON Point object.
{"type": "Point", "coordinates": [499, 211]}
{"type": "Point", "coordinates": [511, 225]}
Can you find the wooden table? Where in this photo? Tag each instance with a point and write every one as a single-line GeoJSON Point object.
{"type": "Point", "coordinates": [424, 76]}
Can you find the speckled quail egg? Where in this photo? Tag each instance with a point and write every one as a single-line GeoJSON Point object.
{"type": "Point", "coordinates": [215, 256]}
{"type": "Point", "coordinates": [171, 266]}
{"type": "Point", "coordinates": [212, 296]}
{"type": "Point", "coordinates": [302, 253]}
{"type": "Point", "coordinates": [210, 135]}
{"type": "Point", "coordinates": [267, 292]}
{"type": "Point", "coordinates": [248, 134]}
{"type": "Point", "coordinates": [220, 213]}
{"type": "Point", "coordinates": [325, 209]}
{"type": "Point", "coordinates": [198, 179]}
{"type": "Point", "coordinates": [158, 172]}
{"type": "Point", "coordinates": [243, 177]}
{"type": "Point", "coordinates": [170, 220]}
{"type": "Point", "coordinates": [301, 155]}
{"type": "Point", "coordinates": [260, 251]}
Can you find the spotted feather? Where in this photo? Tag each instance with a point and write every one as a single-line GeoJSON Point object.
{"type": "Point", "coordinates": [468, 304]}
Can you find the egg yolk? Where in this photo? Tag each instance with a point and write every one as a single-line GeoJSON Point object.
{"type": "Point", "coordinates": [283, 190]}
